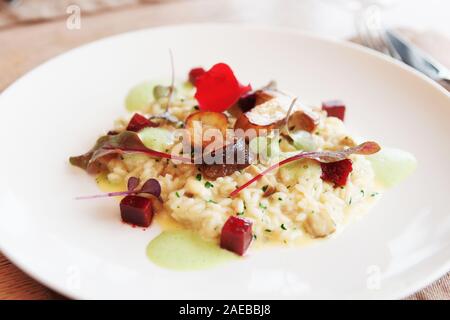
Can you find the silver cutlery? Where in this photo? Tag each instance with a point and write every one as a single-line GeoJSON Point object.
{"type": "Point", "coordinates": [372, 34]}
{"type": "Point", "coordinates": [419, 60]}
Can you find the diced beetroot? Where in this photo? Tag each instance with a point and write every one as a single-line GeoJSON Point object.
{"type": "Point", "coordinates": [236, 235]}
{"type": "Point", "coordinates": [194, 74]}
{"type": "Point", "coordinates": [139, 122]}
{"type": "Point", "coordinates": [334, 108]}
{"type": "Point", "coordinates": [337, 172]}
{"type": "Point", "coordinates": [136, 210]}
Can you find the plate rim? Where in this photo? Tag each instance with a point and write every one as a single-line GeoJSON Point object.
{"type": "Point", "coordinates": [56, 286]}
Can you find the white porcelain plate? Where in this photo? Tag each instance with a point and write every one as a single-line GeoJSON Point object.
{"type": "Point", "coordinates": [81, 249]}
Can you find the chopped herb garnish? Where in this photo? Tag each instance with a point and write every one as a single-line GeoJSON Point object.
{"type": "Point", "coordinates": [279, 199]}
{"type": "Point", "coordinates": [196, 107]}
{"type": "Point", "coordinates": [350, 201]}
{"type": "Point", "coordinates": [262, 206]}
{"type": "Point", "coordinates": [255, 237]}
{"type": "Point", "coordinates": [211, 201]}
{"type": "Point", "coordinates": [208, 185]}
{"type": "Point", "coordinates": [177, 194]}
{"type": "Point", "coordinates": [268, 230]}
{"type": "Point", "coordinates": [240, 213]}
{"type": "Point", "coordinates": [198, 177]}
{"type": "Point", "coordinates": [283, 226]}
{"type": "Point", "coordinates": [265, 188]}
{"type": "Point", "coordinates": [374, 194]}
{"type": "Point", "coordinates": [362, 192]}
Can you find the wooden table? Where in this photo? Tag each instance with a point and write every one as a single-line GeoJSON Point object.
{"type": "Point", "coordinates": [23, 47]}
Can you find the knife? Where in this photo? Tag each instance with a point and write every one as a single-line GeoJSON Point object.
{"type": "Point", "coordinates": [419, 60]}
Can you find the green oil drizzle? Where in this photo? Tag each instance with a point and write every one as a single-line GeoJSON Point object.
{"type": "Point", "coordinates": [392, 166]}
{"type": "Point", "coordinates": [185, 250]}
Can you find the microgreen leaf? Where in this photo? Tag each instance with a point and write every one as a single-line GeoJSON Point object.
{"type": "Point", "coordinates": [109, 146]}
{"type": "Point", "coordinates": [365, 148]}
{"type": "Point", "coordinates": [151, 186]}
{"type": "Point", "coordinates": [132, 184]}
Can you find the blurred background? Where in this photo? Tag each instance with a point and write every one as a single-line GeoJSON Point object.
{"type": "Point", "coordinates": [49, 27]}
{"type": "Point", "coordinates": [327, 16]}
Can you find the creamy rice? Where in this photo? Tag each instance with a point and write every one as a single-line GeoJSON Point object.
{"type": "Point", "coordinates": [302, 206]}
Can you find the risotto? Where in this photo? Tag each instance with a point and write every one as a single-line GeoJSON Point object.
{"type": "Point", "coordinates": [310, 175]}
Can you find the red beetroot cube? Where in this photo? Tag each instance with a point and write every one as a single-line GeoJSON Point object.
{"type": "Point", "coordinates": [337, 172]}
{"type": "Point", "coordinates": [136, 210]}
{"type": "Point", "coordinates": [236, 235]}
{"type": "Point", "coordinates": [334, 108]}
{"type": "Point", "coordinates": [139, 122]}
{"type": "Point", "coordinates": [194, 74]}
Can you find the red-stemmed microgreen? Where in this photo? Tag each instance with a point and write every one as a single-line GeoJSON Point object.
{"type": "Point", "coordinates": [365, 148]}
{"type": "Point", "coordinates": [132, 183]}
{"type": "Point", "coordinates": [166, 115]}
{"type": "Point", "coordinates": [110, 146]}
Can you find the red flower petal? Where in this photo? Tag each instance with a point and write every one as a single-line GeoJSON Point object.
{"type": "Point", "coordinates": [194, 74]}
{"type": "Point", "coordinates": [337, 172]}
{"type": "Point", "coordinates": [218, 89]}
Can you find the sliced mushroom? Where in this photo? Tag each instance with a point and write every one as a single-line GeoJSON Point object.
{"type": "Point", "coordinates": [270, 188]}
{"type": "Point", "coordinates": [199, 122]}
{"type": "Point", "coordinates": [233, 157]}
{"type": "Point", "coordinates": [244, 123]}
{"type": "Point", "coordinates": [301, 120]}
{"type": "Point", "coordinates": [272, 114]}
{"type": "Point", "coordinates": [319, 224]}
{"type": "Point", "coordinates": [249, 101]}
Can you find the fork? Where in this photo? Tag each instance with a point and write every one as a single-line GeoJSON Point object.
{"type": "Point", "coordinates": [371, 32]}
